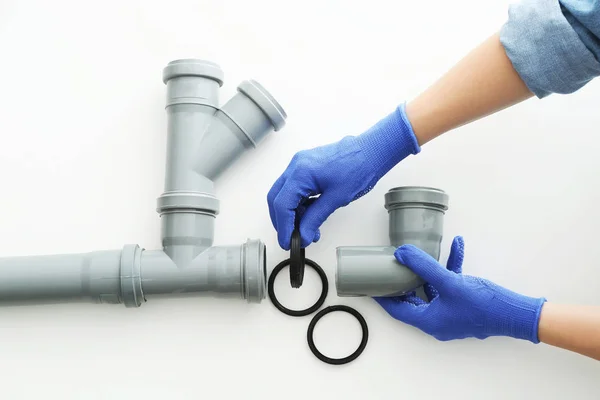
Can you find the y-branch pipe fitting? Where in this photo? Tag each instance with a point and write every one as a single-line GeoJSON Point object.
{"type": "Point", "coordinates": [203, 140]}
{"type": "Point", "coordinates": [416, 216]}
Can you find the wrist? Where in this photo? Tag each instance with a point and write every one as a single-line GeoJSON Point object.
{"type": "Point", "coordinates": [389, 141]}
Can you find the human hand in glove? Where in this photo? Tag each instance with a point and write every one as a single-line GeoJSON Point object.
{"type": "Point", "coordinates": [461, 306]}
{"type": "Point", "coordinates": [339, 173]}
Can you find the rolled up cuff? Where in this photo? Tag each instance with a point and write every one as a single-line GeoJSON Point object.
{"type": "Point", "coordinates": [545, 50]}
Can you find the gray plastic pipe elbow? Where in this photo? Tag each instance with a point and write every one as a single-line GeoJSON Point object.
{"type": "Point", "coordinates": [416, 216]}
{"type": "Point", "coordinates": [203, 140]}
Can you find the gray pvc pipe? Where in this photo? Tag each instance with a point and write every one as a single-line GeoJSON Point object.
{"type": "Point", "coordinates": [92, 277]}
{"type": "Point", "coordinates": [202, 141]}
{"type": "Point", "coordinates": [133, 275]}
{"type": "Point", "coordinates": [416, 216]}
{"type": "Point", "coordinates": [221, 271]}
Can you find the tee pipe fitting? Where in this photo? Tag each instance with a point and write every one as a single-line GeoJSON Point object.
{"type": "Point", "coordinates": [416, 216]}
{"type": "Point", "coordinates": [203, 140]}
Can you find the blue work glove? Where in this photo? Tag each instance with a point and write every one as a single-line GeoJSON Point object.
{"type": "Point", "coordinates": [461, 306]}
{"type": "Point", "coordinates": [340, 173]}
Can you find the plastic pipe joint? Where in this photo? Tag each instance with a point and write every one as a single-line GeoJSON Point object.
{"type": "Point", "coordinates": [202, 141]}
{"type": "Point", "coordinates": [416, 216]}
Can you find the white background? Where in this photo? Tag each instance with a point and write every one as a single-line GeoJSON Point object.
{"type": "Point", "coordinates": [82, 160]}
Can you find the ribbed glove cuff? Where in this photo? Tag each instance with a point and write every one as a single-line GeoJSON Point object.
{"type": "Point", "coordinates": [516, 316]}
{"type": "Point", "coordinates": [389, 141]}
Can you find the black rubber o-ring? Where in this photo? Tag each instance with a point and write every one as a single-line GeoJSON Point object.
{"type": "Point", "coordinates": [297, 260]}
{"type": "Point", "coordinates": [311, 309]}
{"type": "Point", "coordinates": [351, 357]}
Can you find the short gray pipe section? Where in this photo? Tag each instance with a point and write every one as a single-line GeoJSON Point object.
{"type": "Point", "coordinates": [202, 141]}
{"type": "Point", "coordinates": [416, 216]}
{"type": "Point", "coordinates": [220, 271]}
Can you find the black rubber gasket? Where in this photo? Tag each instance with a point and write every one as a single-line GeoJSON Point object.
{"type": "Point", "coordinates": [351, 357]}
{"type": "Point", "coordinates": [311, 309]}
{"type": "Point", "coordinates": [297, 260]}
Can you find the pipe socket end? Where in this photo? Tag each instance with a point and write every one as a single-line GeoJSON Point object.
{"type": "Point", "coordinates": [251, 114]}
{"type": "Point", "coordinates": [416, 196]}
{"type": "Point", "coordinates": [265, 101]}
{"type": "Point", "coordinates": [254, 271]}
{"type": "Point", "coordinates": [193, 67]}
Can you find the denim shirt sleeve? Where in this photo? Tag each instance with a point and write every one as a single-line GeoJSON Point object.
{"type": "Point", "coordinates": [554, 45]}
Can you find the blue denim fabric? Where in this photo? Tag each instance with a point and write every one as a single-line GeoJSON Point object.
{"type": "Point", "coordinates": [554, 45]}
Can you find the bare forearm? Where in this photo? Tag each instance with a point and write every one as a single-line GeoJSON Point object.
{"type": "Point", "coordinates": [575, 328]}
{"type": "Point", "coordinates": [480, 84]}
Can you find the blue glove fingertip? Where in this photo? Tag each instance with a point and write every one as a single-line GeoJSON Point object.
{"type": "Point", "coordinates": [317, 236]}
{"type": "Point", "coordinates": [285, 245]}
{"type": "Point", "coordinates": [272, 195]}
{"type": "Point", "coordinates": [316, 214]}
{"type": "Point", "coordinates": [307, 234]}
{"type": "Point", "coordinates": [284, 233]}
{"type": "Point", "coordinates": [404, 250]}
{"type": "Point", "coordinates": [457, 255]}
